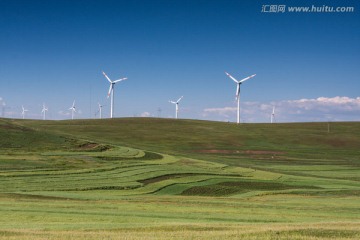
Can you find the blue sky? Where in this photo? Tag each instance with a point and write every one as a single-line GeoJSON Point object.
{"type": "Point", "coordinates": [307, 64]}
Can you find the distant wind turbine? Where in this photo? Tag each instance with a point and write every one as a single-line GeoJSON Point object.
{"type": "Point", "coordinates": [100, 108]}
{"type": "Point", "coordinates": [273, 115]}
{"type": "Point", "coordinates": [238, 92]}
{"type": "Point", "coordinates": [43, 111]}
{"type": "Point", "coordinates": [111, 92]}
{"type": "Point", "coordinates": [23, 112]}
{"type": "Point", "coordinates": [73, 110]}
{"type": "Point", "coordinates": [176, 106]}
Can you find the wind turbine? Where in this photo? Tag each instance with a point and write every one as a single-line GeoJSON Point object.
{"type": "Point", "coordinates": [73, 109]}
{"type": "Point", "coordinates": [111, 91]}
{"type": "Point", "coordinates": [44, 109]}
{"type": "Point", "coordinates": [176, 106]}
{"type": "Point", "coordinates": [238, 92]}
{"type": "Point", "coordinates": [23, 111]}
{"type": "Point", "coordinates": [273, 115]}
{"type": "Point", "coordinates": [100, 108]}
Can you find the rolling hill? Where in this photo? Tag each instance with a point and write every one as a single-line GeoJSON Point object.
{"type": "Point", "coordinates": [148, 178]}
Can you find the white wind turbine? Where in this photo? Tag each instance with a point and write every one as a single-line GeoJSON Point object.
{"type": "Point", "coordinates": [73, 110]}
{"type": "Point", "coordinates": [273, 115]}
{"type": "Point", "coordinates": [100, 108]}
{"type": "Point", "coordinates": [43, 111]}
{"type": "Point", "coordinates": [238, 92]}
{"type": "Point", "coordinates": [111, 91]}
{"type": "Point", "coordinates": [23, 111]}
{"type": "Point", "coordinates": [176, 106]}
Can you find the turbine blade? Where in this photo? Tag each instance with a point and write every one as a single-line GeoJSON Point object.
{"type": "Point", "coordinates": [247, 78]}
{"type": "Point", "coordinates": [111, 86]}
{"type": "Point", "coordinates": [106, 77]}
{"type": "Point", "coordinates": [119, 80]}
{"type": "Point", "coordinates": [172, 102]}
{"type": "Point", "coordinates": [232, 77]}
{"type": "Point", "coordinates": [179, 99]}
{"type": "Point", "coordinates": [237, 91]}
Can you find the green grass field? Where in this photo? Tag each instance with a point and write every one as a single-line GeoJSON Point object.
{"type": "Point", "coordinates": [147, 178]}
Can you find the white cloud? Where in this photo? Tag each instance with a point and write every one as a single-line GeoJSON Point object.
{"type": "Point", "coordinates": [317, 109]}
{"type": "Point", "coordinates": [224, 112]}
{"type": "Point", "coordinates": [68, 112]}
{"type": "Point", "coordinates": [64, 113]}
{"type": "Point", "coordinates": [326, 104]}
{"type": "Point", "coordinates": [145, 114]}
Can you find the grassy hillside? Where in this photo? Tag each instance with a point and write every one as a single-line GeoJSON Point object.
{"type": "Point", "coordinates": [278, 147]}
{"type": "Point", "coordinates": [146, 178]}
{"type": "Point", "coordinates": [192, 135]}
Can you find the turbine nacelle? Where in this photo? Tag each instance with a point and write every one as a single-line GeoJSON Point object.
{"type": "Point", "coordinates": [23, 111]}
{"type": "Point", "coordinates": [272, 115]}
{"type": "Point", "coordinates": [44, 109]}
{"type": "Point", "coordinates": [177, 102]}
{"type": "Point", "coordinates": [73, 106]}
{"type": "Point", "coordinates": [240, 81]}
{"type": "Point", "coordinates": [73, 109]}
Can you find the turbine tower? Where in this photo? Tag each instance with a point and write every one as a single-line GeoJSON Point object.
{"type": "Point", "coordinates": [100, 108]}
{"type": "Point", "coordinates": [237, 97]}
{"type": "Point", "coordinates": [111, 92]}
{"type": "Point", "coordinates": [43, 111]}
{"type": "Point", "coordinates": [273, 115]}
{"type": "Point", "coordinates": [176, 106]}
{"type": "Point", "coordinates": [73, 110]}
{"type": "Point", "coordinates": [23, 112]}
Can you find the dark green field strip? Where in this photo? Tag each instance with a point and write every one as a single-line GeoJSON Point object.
{"type": "Point", "coordinates": [168, 175]}
{"type": "Point", "coordinates": [22, 196]}
{"type": "Point", "coordinates": [178, 186]}
{"type": "Point", "coordinates": [69, 185]}
{"type": "Point", "coordinates": [65, 182]}
{"type": "Point", "coordinates": [236, 187]}
{"type": "Point", "coordinates": [147, 156]}
{"type": "Point", "coordinates": [165, 177]}
{"type": "Point", "coordinates": [104, 167]}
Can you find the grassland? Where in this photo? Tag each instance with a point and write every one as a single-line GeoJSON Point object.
{"type": "Point", "coordinates": [145, 178]}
